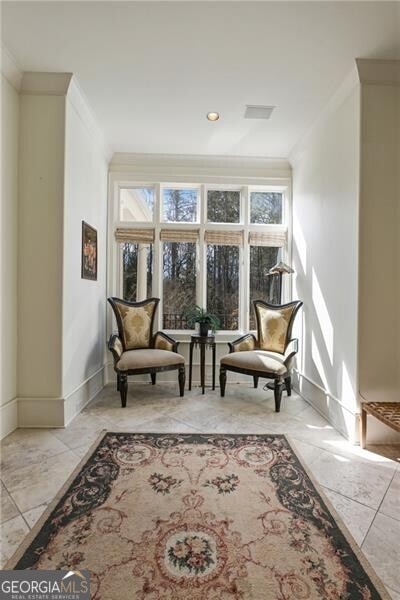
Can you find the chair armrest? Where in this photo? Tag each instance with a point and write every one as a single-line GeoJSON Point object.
{"type": "Point", "coordinates": [162, 341]}
{"type": "Point", "coordinates": [290, 352]}
{"type": "Point", "coordinates": [115, 346]}
{"type": "Point", "coordinates": [246, 342]}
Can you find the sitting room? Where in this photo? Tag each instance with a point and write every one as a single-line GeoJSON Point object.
{"type": "Point", "coordinates": [200, 282]}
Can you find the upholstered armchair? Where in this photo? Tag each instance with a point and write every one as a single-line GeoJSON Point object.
{"type": "Point", "coordinates": [270, 354]}
{"type": "Point", "coordinates": [136, 350]}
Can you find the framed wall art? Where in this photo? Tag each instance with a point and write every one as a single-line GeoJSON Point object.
{"type": "Point", "coordinates": [89, 252]}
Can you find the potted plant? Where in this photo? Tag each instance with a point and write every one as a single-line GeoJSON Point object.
{"type": "Point", "coordinates": [206, 320]}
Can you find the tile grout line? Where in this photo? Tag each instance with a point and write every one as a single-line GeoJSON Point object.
{"type": "Point", "coordinates": [349, 497]}
{"type": "Point", "coordinates": [14, 503]}
{"type": "Point", "coordinates": [352, 457]}
{"type": "Point", "coordinates": [377, 511]}
{"type": "Point", "coordinates": [40, 460]}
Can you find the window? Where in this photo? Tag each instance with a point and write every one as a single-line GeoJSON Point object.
{"type": "Point", "coordinates": [262, 286]}
{"type": "Point", "coordinates": [223, 206]}
{"type": "Point", "coordinates": [136, 204]}
{"type": "Point", "coordinates": [223, 284]}
{"type": "Point", "coordinates": [266, 207]}
{"type": "Point", "coordinates": [202, 244]}
{"type": "Point", "coordinates": [137, 271]}
{"type": "Point", "coordinates": [179, 282]}
{"type": "Point", "coordinates": [180, 205]}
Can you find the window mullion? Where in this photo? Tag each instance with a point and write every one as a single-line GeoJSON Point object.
{"type": "Point", "coordinates": [244, 275]}
{"type": "Point", "coordinates": [202, 261]}
{"type": "Point", "coordinates": [158, 265]}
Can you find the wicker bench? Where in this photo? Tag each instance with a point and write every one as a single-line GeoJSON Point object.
{"type": "Point", "coordinates": [386, 412]}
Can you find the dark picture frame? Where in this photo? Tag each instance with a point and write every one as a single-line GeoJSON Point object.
{"type": "Point", "coordinates": [89, 252]}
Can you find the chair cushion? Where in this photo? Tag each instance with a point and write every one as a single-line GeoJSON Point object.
{"type": "Point", "coordinates": [147, 358]}
{"type": "Point", "coordinates": [256, 360]}
{"type": "Point", "coordinates": [273, 327]}
{"type": "Point", "coordinates": [135, 323]}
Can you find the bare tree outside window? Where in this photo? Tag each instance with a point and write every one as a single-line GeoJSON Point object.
{"type": "Point", "coordinates": [223, 206]}
{"type": "Point", "coordinates": [180, 205]}
{"type": "Point", "coordinates": [130, 260]}
{"type": "Point", "coordinates": [266, 207]}
{"type": "Point", "coordinates": [262, 286]}
{"type": "Point", "coordinates": [223, 284]}
{"type": "Point", "coordinates": [179, 282]}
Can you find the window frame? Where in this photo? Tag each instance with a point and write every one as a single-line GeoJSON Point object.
{"type": "Point", "coordinates": [245, 186]}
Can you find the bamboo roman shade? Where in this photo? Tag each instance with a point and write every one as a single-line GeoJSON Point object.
{"type": "Point", "coordinates": [134, 236]}
{"type": "Point", "coordinates": [179, 235]}
{"type": "Point", "coordinates": [224, 238]}
{"type": "Point", "coordinates": [275, 239]}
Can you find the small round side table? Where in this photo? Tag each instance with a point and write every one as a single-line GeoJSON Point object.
{"type": "Point", "coordinates": [203, 342]}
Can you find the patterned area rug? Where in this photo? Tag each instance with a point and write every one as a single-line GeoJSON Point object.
{"type": "Point", "coordinates": [205, 517]}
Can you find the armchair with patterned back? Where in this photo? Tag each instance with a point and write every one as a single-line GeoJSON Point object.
{"type": "Point", "coordinates": [270, 354]}
{"type": "Point", "coordinates": [136, 350]}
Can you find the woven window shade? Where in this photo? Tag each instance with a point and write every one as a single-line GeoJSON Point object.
{"type": "Point", "coordinates": [179, 235]}
{"type": "Point", "coordinates": [224, 238]}
{"type": "Point", "coordinates": [138, 236]}
{"type": "Point", "coordinates": [275, 239]}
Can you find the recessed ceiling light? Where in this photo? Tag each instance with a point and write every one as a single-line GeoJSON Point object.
{"type": "Point", "coordinates": [213, 116]}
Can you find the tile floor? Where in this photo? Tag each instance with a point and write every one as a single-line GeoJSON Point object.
{"type": "Point", "coordinates": [364, 486]}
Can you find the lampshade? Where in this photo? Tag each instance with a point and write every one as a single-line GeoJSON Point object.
{"type": "Point", "coordinates": [280, 267]}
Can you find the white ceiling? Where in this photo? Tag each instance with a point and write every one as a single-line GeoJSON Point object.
{"type": "Point", "coordinates": [152, 70]}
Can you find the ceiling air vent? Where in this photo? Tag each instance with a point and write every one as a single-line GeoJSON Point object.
{"type": "Point", "coordinates": [254, 111]}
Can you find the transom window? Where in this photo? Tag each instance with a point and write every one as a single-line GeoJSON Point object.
{"type": "Point", "coordinates": [209, 245]}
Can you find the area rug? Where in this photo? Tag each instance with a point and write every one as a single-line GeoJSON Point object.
{"type": "Point", "coordinates": [199, 517]}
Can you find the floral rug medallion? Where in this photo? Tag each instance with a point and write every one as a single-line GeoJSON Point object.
{"type": "Point", "coordinates": [199, 517]}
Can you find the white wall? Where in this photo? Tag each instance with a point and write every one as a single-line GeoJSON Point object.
{"type": "Point", "coordinates": [8, 254]}
{"type": "Point", "coordinates": [84, 301]}
{"type": "Point", "coordinates": [61, 170]}
{"type": "Point", "coordinates": [40, 263]}
{"type": "Point", "coordinates": [379, 297]}
{"type": "Point", "coordinates": [325, 257]}
{"type": "Point", "coordinates": [379, 232]}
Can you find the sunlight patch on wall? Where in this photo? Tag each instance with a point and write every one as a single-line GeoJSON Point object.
{"type": "Point", "coordinates": [323, 315]}
{"type": "Point", "coordinates": [316, 356]}
{"type": "Point", "coordinates": [300, 243]}
{"type": "Point", "coordinates": [347, 389]}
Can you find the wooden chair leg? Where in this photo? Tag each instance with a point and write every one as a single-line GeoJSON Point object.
{"type": "Point", "coordinates": [288, 385]}
{"type": "Point", "coordinates": [153, 378]}
{"type": "Point", "coordinates": [222, 380]}
{"type": "Point", "coordinates": [182, 379]}
{"type": "Point", "coordinates": [123, 389]}
{"type": "Point", "coordinates": [278, 394]}
{"type": "Point", "coordinates": [255, 380]}
{"type": "Point", "coordinates": [363, 428]}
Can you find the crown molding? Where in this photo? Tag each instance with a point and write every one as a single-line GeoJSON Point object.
{"type": "Point", "coordinates": [79, 102]}
{"type": "Point", "coordinates": [10, 69]}
{"type": "Point", "coordinates": [378, 71]}
{"type": "Point", "coordinates": [45, 84]}
{"type": "Point", "coordinates": [65, 84]}
{"type": "Point", "coordinates": [199, 165]}
{"type": "Point", "coordinates": [344, 90]}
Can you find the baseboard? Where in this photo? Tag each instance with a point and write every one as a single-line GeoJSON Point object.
{"type": "Point", "coordinates": [76, 401]}
{"type": "Point", "coordinates": [8, 417]}
{"type": "Point", "coordinates": [40, 412]}
{"type": "Point", "coordinates": [330, 407]}
{"type": "Point", "coordinates": [59, 412]}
